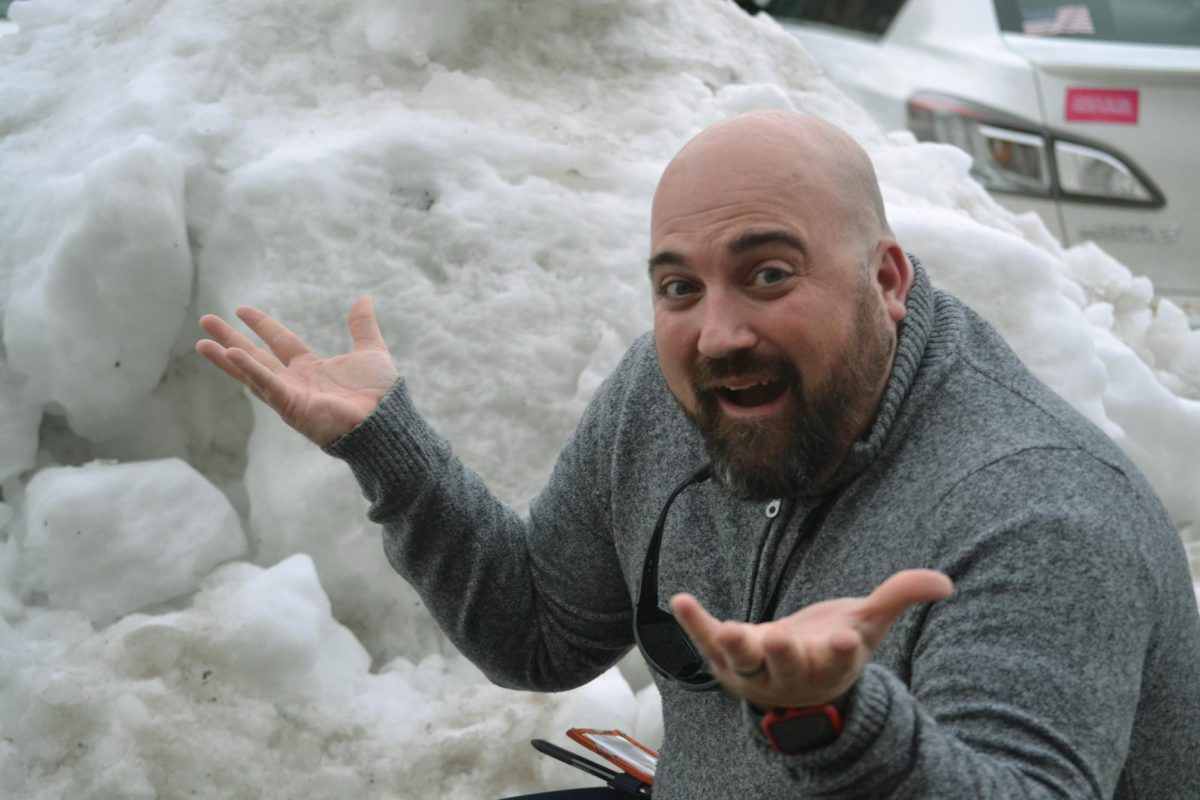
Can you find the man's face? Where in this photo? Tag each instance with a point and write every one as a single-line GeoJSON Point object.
{"type": "Point", "coordinates": [770, 333]}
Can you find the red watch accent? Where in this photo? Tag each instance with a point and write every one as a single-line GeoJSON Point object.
{"type": "Point", "coordinates": [826, 719]}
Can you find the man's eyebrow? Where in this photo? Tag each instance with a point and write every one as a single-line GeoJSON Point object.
{"type": "Point", "coordinates": [666, 258]}
{"type": "Point", "coordinates": [743, 244]}
{"type": "Point", "coordinates": [749, 241]}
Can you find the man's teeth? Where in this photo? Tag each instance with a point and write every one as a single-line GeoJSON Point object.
{"type": "Point", "coordinates": [751, 393]}
{"type": "Point", "coordinates": [740, 387]}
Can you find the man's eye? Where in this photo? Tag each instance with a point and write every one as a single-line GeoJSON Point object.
{"type": "Point", "coordinates": [769, 275]}
{"type": "Point", "coordinates": [674, 290]}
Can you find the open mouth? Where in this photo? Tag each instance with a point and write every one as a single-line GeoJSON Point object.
{"type": "Point", "coordinates": [751, 395]}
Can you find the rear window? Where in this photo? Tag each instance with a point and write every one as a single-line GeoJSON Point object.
{"type": "Point", "coordinates": [864, 16]}
{"type": "Point", "coordinates": [1138, 21]}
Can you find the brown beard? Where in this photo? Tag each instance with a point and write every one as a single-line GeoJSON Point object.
{"type": "Point", "coordinates": [796, 451]}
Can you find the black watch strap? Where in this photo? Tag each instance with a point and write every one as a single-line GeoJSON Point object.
{"type": "Point", "coordinates": [795, 730]}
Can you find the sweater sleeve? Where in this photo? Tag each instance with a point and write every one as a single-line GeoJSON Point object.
{"type": "Point", "coordinates": [536, 603]}
{"type": "Point", "coordinates": [1072, 608]}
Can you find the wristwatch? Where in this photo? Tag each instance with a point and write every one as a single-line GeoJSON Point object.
{"type": "Point", "coordinates": [795, 730]}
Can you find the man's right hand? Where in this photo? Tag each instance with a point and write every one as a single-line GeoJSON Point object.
{"type": "Point", "coordinates": [321, 398]}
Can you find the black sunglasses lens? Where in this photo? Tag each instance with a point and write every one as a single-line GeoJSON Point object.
{"type": "Point", "coordinates": [668, 648]}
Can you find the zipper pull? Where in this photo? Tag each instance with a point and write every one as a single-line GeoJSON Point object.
{"type": "Point", "coordinates": [773, 509]}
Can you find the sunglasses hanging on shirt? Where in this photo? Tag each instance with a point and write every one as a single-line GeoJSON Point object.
{"type": "Point", "coordinates": [661, 639]}
{"type": "Point", "coordinates": [664, 644]}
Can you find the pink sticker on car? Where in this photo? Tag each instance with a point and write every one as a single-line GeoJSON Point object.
{"type": "Point", "coordinates": [1118, 106]}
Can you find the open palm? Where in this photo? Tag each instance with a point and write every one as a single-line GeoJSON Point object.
{"type": "Point", "coordinates": [321, 398]}
{"type": "Point", "coordinates": [810, 657]}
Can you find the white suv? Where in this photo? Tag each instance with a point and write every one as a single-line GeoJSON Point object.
{"type": "Point", "coordinates": [1087, 112]}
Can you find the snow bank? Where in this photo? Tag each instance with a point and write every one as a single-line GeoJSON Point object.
{"type": "Point", "coordinates": [484, 170]}
{"type": "Point", "coordinates": [256, 691]}
{"type": "Point", "coordinates": [110, 539]}
{"type": "Point", "coordinates": [85, 336]}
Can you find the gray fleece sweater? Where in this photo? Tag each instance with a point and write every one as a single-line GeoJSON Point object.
{"type": "Point", "coordinates": [1067, 663]}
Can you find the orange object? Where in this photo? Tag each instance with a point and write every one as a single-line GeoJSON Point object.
{"type": "Point", "coordinates": [620, 749]}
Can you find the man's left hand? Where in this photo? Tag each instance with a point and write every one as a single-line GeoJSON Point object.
{"type": "Point", "coordinates": [811, 657]}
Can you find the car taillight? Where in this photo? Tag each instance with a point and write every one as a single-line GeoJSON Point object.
{"type": "Point", "coordinates": [1092, 172]}
{"type": "Point", "coordinates": [1010, 154]}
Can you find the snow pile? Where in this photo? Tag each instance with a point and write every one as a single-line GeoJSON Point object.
{"type": "Point", "coordinates": [89, 338]}
{"type": "Point", "coordinates": [110, 539]}
{"type": "Point", "coordinates": [484, 170]}
{"type": "Point", "coordinates": [256, 691]}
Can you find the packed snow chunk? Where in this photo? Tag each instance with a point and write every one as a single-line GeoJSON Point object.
{"type": "Point", "coordinates": [1021, 290]}
{"type": "Point", "coordinates": [320, 495]}
{"type": "Point", "coordinates": [107, 539]}
{"type": "Point", "coordinates": [411, 29]}
{"type": "Point", "coordinates": [277, 632]}
{"type": "Point", "coordinates": [105, 285]}
{"type": "Point", "coordinates": [1159, 432]}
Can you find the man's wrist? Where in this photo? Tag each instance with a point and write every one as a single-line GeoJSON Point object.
{"type": "Point", "coordinates": [796, 730]}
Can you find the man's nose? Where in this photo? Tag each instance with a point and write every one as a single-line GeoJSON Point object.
{"type": "Point", "coordinates": [727, 327]}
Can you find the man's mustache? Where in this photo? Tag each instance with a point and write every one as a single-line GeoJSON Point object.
{"type": "Point", "coordinates": [738, 364]}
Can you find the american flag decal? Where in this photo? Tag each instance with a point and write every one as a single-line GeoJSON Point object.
{"type": "Point", "coordinates": [1064, 20]}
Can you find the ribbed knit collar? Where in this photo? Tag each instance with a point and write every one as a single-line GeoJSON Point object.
{"type": "Point", "coordinates": [920, 325]}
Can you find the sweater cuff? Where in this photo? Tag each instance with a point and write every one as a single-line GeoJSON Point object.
{"type": "Point", "coordinates": [865, 719]}
{"type": "Point", "coordinates": [393, 444]}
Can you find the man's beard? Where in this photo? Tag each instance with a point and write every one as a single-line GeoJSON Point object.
{"type": "Point", "coordinates": [794, 452]}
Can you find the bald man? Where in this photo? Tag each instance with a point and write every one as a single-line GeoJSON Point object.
{"type": "Point", "coordinates": [863, 550]}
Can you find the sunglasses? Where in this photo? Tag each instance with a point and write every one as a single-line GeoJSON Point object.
{"type": "Point", "coordinates": [663, 643]}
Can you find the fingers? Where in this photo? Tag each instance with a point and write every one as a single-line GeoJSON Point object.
{"type": "Point", "coordinates": [218, 356]}
{"type": "Point", "coordinates": [895, 595]}
{"type": "Point", "coordinates": [283, 343]}
{"type": "Point", "coordinates": [238, 357]}
{"type": "Point", "coordinates": [364, 328]}
{"type": "Point", "coordinates": [845, 642]}
{"type": "Point", "coordinates": [699, 625]}
{"type": "Point", "coordinates": [741, 649]}
{"type": "Point", "coordinates": [812, 655]}
{"type": "Point", "coordinates": [227, 336]}
{"type": "Point", "coordinates": [265, 384]}
{"type": "Point", "coordinates": [811, 661]}
{"type": "Point", "coordinates": [727, 646]}
{"type": "Point", "coordinates": [784, 656]}
{"type": "Point", "coordinates": [909, 587]}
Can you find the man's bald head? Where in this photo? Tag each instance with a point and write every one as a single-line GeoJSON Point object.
{"type": "Point", "coordinates": [778, 293]}
{"type": "Point", "coordinates": [776, 151]}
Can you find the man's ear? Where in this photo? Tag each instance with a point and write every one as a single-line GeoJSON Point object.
{"type": "Point", "coordinates": [894, 277]}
